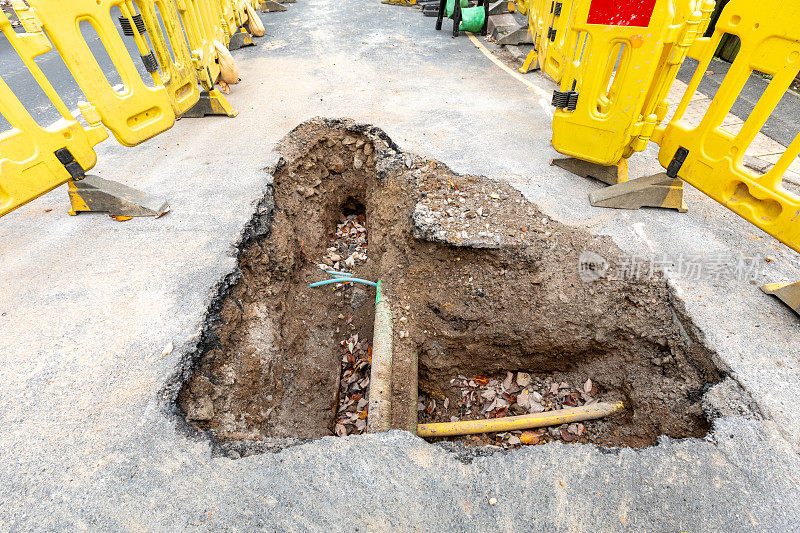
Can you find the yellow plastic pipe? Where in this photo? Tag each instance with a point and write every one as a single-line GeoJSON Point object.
{"type": "Point", "coordinates": [511, 423]}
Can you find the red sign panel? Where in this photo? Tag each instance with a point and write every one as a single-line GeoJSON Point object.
{"type": "Point", "coordinates": [621, 12]}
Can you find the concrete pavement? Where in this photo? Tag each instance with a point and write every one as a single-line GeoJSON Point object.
{"type": "Point", "coordinates": [90, 440]}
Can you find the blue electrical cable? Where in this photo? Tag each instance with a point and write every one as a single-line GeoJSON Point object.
{"type": "Point", "coordinates": [342, 280]}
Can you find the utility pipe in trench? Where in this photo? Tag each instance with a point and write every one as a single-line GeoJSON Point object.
{"type": "Point", "coordinates": [511, 423]}
{"type": "Point", "coordinates": [380, 377]}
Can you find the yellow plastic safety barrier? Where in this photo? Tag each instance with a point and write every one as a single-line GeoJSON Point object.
{"type": "Point", "coordinates": [623, 61]}
{"type": "Point", "coordinates": [133, 115]}
{"type": "Point", "coordinates": [202, 32]}
{"type": "Point", "coordinates": [226, 17]}
{"type": "Point", "coordinates": [242, 19]}
{"type": "Point", "coordinates": [240, 12]}
{"type": "Point", "coordinates": [555, 20]}
{"type": "Point", "coordinates": [535, 11]}
{"type": "Point", "coordinates": [231, 17]}
{"type": "Point", "coordinates": [178, 74]}
{"type": "Point", "coordinates": [212, 12]}
{"type": "Point", "coordinates": [36, 159]}
{"type": "Point", "coordinates": [710, 158]}
{"type": "Point", "coordinates": [33, 159]}
{"type": "Point", "coordinates": [199, 21]}
{"type": "Point", "coordinates": [693, 20]}
{"type": "Point", "coordinates": [537, 14]}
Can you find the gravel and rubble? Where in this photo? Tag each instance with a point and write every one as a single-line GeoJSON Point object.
{"type": "Point", "coordinates": [348, 246]}
{"type": "Point", "coordinates": [468, 213]}
{"type": "Point", "coordinates": [351, 416]}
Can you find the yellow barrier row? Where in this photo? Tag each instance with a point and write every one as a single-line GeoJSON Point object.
{"type": "Point", "coordinates": [208, 22]}
{"type": "Point", "coordinates": [178, 42]}
{"type": "Point", "coordinates": [137, 113]}
{"type": "Point", "coordinates": [201, 34]}
{"type": "Point", "coordinates": [553, 36]}
{"type": "Point", "coordinates": [616, 62]}
{"type": "Point", "coordinates": [536, 11]}
{"type": "Point", "coordinates": [177, 74]}
{"type": "Point", "coordinates": [231, 16]}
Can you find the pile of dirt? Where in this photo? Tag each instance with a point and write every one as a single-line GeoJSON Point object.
{"type": "Point", "coordinates": [481, 283]}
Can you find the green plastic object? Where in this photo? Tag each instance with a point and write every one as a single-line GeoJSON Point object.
{"type": "Point", "coordinates": [450, 7]}
{"type": "Point", "coordinates": [472, 19]}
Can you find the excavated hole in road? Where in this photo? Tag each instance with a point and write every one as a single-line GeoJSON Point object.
{"type": "Point", "coordinates": [480, 282]}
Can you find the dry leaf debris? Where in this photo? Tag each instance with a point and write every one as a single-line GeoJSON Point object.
{"type": "Point", "coordinates": [351, 415]}
{"type": "Point", "coordinates": [513, 394]}
{"type": "Point", "coordinates": [347, 249]}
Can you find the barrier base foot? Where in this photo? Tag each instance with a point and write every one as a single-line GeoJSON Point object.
{"type": "Point", "coordinates": [531, 62]}
{"type": "Point", "coordinates": [500, 7]}
{"type": "Point", "coordinates": [506, 30]}
{"type": "Point", "coordinates": [241, 39]}
{"type": "Point", "coordinates": [211, 103]}
{"type": "Point", "coordinates": [607, 174]}
{"type": "Point", "coordinates": [407, 3]}
{"type": "Point", "coordinates": [95, 194]}
{"type": "Point", "coordinates": [788, 293]}
{"type": "Point", "coordinates": [430, 10]}
{"type": "Point", "coordinates": [270, 6]}
{"type": "Point", "coordinates": [658, 190]}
